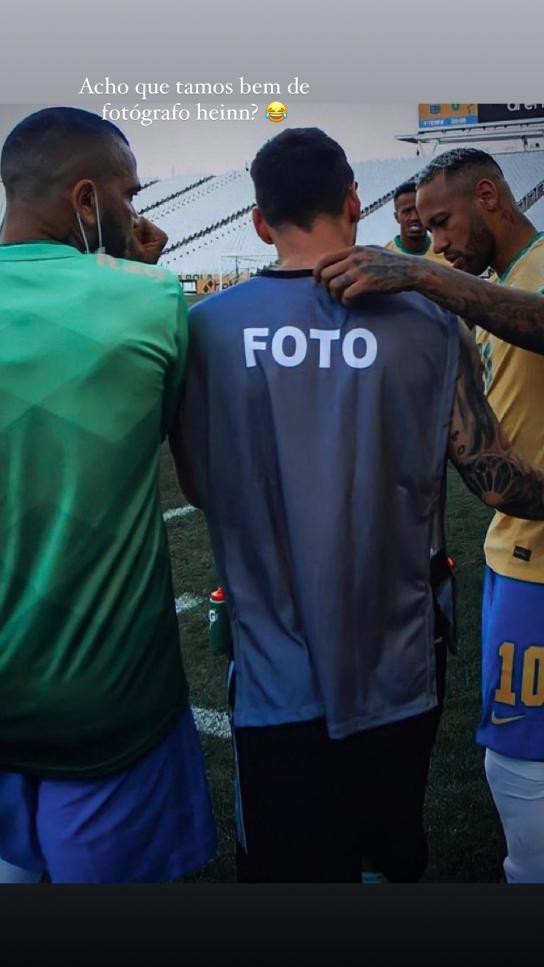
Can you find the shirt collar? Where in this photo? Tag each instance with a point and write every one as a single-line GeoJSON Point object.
{"type": "Point", "coordinates": [37, 251]}
{"type": "Point", "coordinates": [523, 251]}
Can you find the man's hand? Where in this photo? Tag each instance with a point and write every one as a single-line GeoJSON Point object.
{"type": "Point", "coordinates": [353, 271]}
{"type": "Point", "coordinates": [148, 242]}
{"type": "Point", "coordinates": [510, 314]}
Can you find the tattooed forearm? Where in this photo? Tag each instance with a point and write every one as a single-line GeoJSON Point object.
{"type": "Point", "coordinates": [502, 483]}
{"type": "Point", "coordinates": [475, 416]}
{"type": "Point", "coordinates": [511, 314]}
{"type": "Point", "coordinates": [483, 454]}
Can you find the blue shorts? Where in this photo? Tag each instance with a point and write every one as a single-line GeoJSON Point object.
{"type": "Point", "coordinates": [150, 824]}
{"type": "Point", "coordinates": [512, 721]}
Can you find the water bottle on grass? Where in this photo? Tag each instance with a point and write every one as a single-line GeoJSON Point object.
{"type": "Point", "coordinates": [219, 634]}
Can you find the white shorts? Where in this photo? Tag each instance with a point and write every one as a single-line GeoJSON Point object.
{"type": "Point", "coordinates": [517, 787]}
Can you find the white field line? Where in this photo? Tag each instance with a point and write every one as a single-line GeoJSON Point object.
{"type": "Point", "coordinates": [212, 723]}
{"type": "Point", "coordinates": [206, 720]}
{"type": "Point", "coordinates": [186, 602]}
{"type": "Point", "coordinates": [177, 512]}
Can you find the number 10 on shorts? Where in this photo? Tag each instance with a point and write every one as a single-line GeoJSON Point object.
{"type": "Point", "coordinates": [532, 676]}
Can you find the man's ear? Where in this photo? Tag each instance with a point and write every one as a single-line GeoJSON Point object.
{"type": "Point", "coordinates": [354, 203]}
{"type": "Point", "coordinates": [487, 194]}
{"type": "Point", "coordinates": [397, 219]}
{"type": "Point", "coordinates": [83, 199]}
{"type": "Point", "coordinates": [261, 226]}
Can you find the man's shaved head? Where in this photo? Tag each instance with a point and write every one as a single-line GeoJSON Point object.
{"type": "Point", "coordinates": [70, 176]}
{"type": "Point", "coordinates": [464, 200]}
{"type": "Point", "coordinates": [464, 165]}
{"type": "Point", "coordinates": [58, 146]}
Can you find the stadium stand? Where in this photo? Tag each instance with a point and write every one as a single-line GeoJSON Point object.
{"type": "Point", "coordinates": [202, 255]}
{"type": "Point", "coordinates": [378, 178]}
{"type": "Point", "coordinates": [204, 205]}
{"type": "Point", "coordinates": [208, 217]}
{"type": "Point", "coordinates": [378, 227]}
{"type": "Point", "coordinates": [523, 170]}
{"type": "Point", "coordinates": [536, 214]}
{"type": "Point", "coordinates": [212, 220]}
{"type": "Point", "coordinates": [156, 193]}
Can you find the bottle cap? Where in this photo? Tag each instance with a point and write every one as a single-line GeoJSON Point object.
{"type": "Point", "coordinates": [217, 595]}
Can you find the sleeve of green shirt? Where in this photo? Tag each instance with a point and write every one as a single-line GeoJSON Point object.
{"type": "Point", "coordinates": [179, 444]}
{"type": "Point", "coordinates": [176, 372]}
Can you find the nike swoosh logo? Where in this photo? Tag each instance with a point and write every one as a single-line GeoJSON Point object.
{"type": "Point", "coordinates": [497, 720]}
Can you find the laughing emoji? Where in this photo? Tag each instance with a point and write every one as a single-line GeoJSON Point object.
{"type": "Point", "coordinates": [276, 111]}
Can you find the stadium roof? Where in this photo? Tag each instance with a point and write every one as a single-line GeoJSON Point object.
{"type": "Point", "coordinates": [536, 214]}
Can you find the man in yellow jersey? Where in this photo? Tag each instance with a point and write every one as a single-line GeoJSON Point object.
{"type": "Point", "coordinates": [412, 238]}
{"type": "Point", "coordinates": [464, 200]}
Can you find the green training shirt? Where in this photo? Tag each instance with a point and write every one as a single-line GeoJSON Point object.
{"type": "Point", "coordinates": [92, 354]}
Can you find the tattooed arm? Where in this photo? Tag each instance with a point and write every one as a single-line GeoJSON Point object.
{"type": "Point", "coordinates": [482, 452]}
{"type": "Point", "coordinates": [511, 314]}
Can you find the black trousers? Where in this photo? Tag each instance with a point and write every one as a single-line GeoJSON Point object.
{"type": "Point", "coordinates": [312, 807]}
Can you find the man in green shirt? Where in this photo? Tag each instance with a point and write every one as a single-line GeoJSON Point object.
{"type": "Point", "coordinates": [101, 775]}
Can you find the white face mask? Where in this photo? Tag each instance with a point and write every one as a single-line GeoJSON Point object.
{"type": "Point", "coordinates": [101, 249]}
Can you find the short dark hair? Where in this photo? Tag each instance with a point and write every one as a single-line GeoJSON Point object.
{"type": "Point", "coordinates": [407, 188]}
{"type": "Point", "coordinates": [298, 175]}
{"type": "Point", "coordinates": [36, 147]}
{"type": "Point", "coordinates": [454, 162]}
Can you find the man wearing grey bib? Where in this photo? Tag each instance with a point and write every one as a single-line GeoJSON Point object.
{"type": "Point", "coordinates": [315, 438]}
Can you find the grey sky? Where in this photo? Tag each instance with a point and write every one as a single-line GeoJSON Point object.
{"type": "Point", "coordinates": [355, 51]}
{"type": "Point", "coordinates": [364, 130]}
{"type": "Point", "coordinates": [374, 60]}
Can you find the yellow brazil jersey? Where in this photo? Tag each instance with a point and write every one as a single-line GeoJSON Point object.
{"type": "Point", "coordinates": [395, 245]}
{"type": "Point", "coordinates": [514, 385]}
